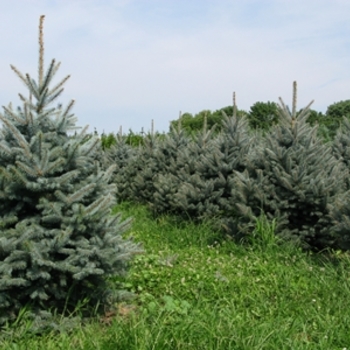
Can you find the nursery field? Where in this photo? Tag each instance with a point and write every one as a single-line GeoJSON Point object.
{"type": "Point", "coordinates": [212, 275]}
{"type": "Point", "coordinates": [194, 290]}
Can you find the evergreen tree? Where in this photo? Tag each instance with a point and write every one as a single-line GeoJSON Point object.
{"type": "Point", "coordinates": [341, 143]}
{"type": "Point", "coordinates": [142, 169]}
{"type": "Point", "coordinates": [170, 157]}
{"type": "Point", "coordinates": [198, 182]}
{"type": "Point", "coordinates": [205, 186]}
{"type": "Point", "coordinates": [58, 241]}
{"type": "Point", "coordinates": [340, 210]}
{"type": "Point", "coordinates": [195, 197]}
{"type": "Point", "coordinates": [121, 154]}
{"type": "Point", "coordinates": [293, 177]}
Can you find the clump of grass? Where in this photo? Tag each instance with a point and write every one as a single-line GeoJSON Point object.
{"type": "Point", "coordinates": [196, 291]}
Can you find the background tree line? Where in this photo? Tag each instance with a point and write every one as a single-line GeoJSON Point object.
{"type": "Point", "coordinates": [261, 116]}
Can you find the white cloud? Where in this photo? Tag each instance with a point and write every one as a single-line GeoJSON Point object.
{"type": "Point", "coordinates": [132, 61]}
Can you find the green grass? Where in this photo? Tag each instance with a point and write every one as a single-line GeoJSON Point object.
{"type": "Point", "coordinates": [197, 291]}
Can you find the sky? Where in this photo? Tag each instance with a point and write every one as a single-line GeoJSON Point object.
{"type": "Point", "coordinates": [132, 61]}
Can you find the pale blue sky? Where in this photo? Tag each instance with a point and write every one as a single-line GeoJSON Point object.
{"type": "Point", "coordinates": [131, 61]}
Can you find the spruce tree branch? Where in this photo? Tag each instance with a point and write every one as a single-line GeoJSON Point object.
{"type": "Point", "coordinates": [67, 177]}
{"type": "Point", "coordinates": [32, 88]}
{"type": "Point", "coordinates": [59, 85]}
{"type": "Point", "coordinates": [55, 152]}
{"type": "Point", "coordinates": [61, 196]}
{"type": "Point", "coordinates": [29, 171]}
{"type": "Point", "coordinates": [83, 132]}
{"type": "Point", "coordinates": [80, 194]}
{"type": "Point", "coordinates": [27, 119]}
{"type": "Point", "coordinates": [70, 123]}
{"type": "Point", "coordinates": [26, 101]}
{"type": "Point", "coordinates": [46, 113]}
{"type": "Point", "coordinates": [109, 173]}
{"type": "Point", "coordinates": [39, 171]}
{"type": "Point", "coordinates": [40, 141]}
{"type": "Point", "coordinates": [61, 125]}
{"type": "Point", "coordinates": [42, 100]}
{"type": "Point", "coordinates": [18, 136]}
{"type": "Point", "coordinates": [5, 149]}
{"type": "Point", "coordinates": [19, 74]}
{"type": "Point", "coordinates": [48, 77]}
{"type": "Point", "coordinates": [9, 108]}
{"type": "Point", "coordinates": [56, 164]}
{"type": "Point", "coordinates": [35, 86]}
{"type": "Point", "coordinates": [14, 116]}
{"type": "Point", "coordinates": [72, 151]}
{"type": "Point", "coordinates": [44, 158]}
{"type": "Point", "coordinates": [20, 116]}
{"type": "Point", "coordinates": [86, 150]}
{"type": "Point", "coordinates": [53, 97]}
{"type": "Point", "coordinates": [284, 109]}
{"type": "Point", "coordinates": [55, 68]}
{"type": "Point", "coordinates": [71, 103]}
{"type": "Point", "coordinates": [305, 111]}
{"type": "Point", "coordinates": [97, 205]}
{"type": "Point", "coordinates": [29, 116]}
{"type": "Point", "coordinates": [5, 173]}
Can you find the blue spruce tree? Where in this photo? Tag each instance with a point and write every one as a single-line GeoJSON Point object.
{"type": "Point", "coordinates": [58, 241]}
{"type": "Point", "coordinates": [291, 176]}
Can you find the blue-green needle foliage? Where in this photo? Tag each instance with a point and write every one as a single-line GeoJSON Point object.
{"type": "Point", "coordinates": [292, 177]}
{"type": "Point", "coordinates": [58, 241]}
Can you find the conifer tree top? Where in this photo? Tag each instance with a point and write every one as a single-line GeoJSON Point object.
{"type": "Point", "coordinates": [43, 96]}
{"type": "Point", "coordinates": [289, 118]}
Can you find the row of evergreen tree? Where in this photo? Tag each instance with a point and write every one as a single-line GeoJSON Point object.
{"type": "Point", "coordinates": [59, 242]}
{"type": "Point", "coordinates": [290, 174]}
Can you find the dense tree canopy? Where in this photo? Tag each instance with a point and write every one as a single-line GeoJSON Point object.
{"type": "Point", "coordinates": [195, 123]}
{"type": "Point", "coordinates": [263, 115]}
{"type": "Point", "coordinates": [335, 114]}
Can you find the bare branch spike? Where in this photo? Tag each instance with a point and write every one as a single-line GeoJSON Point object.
{"type": "Point", "coordinates": [234, 105]}
{"type": "Point", "coordinates": [294, 107]}
{"type": "Point", "coordinates": [41, 50]}
{"type": "Point", "coordinates": [179, 122]}
{"type": "Point", "coordinates": [205, 122]}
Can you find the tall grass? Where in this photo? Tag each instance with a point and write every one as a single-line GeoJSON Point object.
{"type": "Point", "coordinates": [195, 290]}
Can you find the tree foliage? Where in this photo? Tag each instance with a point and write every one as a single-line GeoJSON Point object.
{"type": "Point", "coordinates": [292, 177]}
{"type": "Point", "coordinates": [58, 241]}
{"type": "Point", "coordinates": [335, 114]}
{"type": "Point", "coordinates": [262, 115]}
{"type": "Point", "coordinates": [192, 124]}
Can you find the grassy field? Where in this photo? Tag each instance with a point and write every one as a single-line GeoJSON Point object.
{"type": "Point", "coordinates": [195, 290]}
